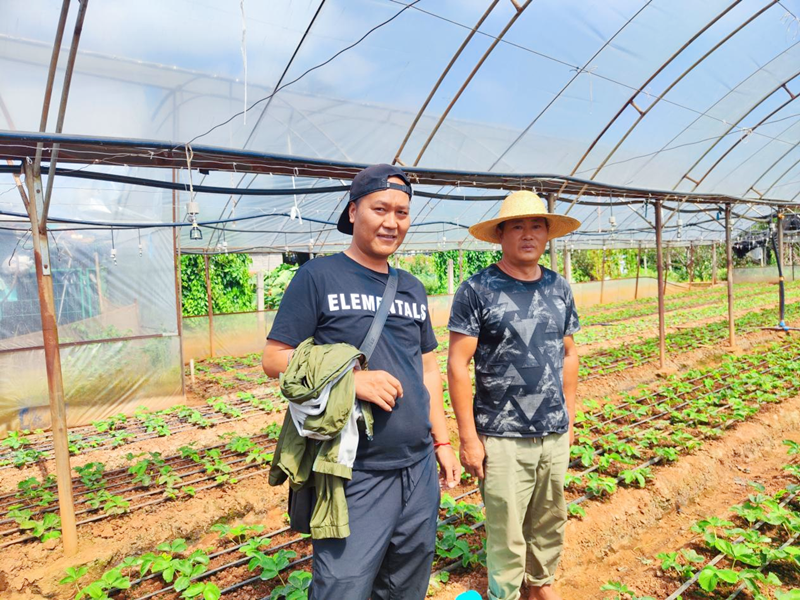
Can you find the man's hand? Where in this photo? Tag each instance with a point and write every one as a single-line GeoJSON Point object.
{"type": "Point", "coordinates": [378, 387]}
{"type": "Point", "coordinates": [472, 455]}
{"type": "Point", "coordinates": [449, 469]}
{"type": "Point", "coordinates": [571, 434]}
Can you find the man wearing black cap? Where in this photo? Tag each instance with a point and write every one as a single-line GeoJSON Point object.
{"type": "Point", "coordinates": [393, 496]}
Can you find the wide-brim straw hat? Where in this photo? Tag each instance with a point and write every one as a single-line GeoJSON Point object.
{"type": "Point", "coordinates": [521, 205]}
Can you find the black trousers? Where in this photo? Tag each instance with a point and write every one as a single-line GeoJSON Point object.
{"type": "Point", "coordinates": [389, 552]}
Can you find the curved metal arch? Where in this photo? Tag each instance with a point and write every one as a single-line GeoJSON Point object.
{"type": "Point", "coordinates": [569, 83]}
{"type": "Point", "coordinates": [469, 78]}
{"type": "Point", "coordinates": [657, 72]}
{"type": "Point", "coordinates": [733, 126]}
{"type": "Point", "coordinates": [772, 166]}
{"type": "Point", "coordinates": [755, 105]}
{"type": "Point", "coordinates": [645, 112]}
{"type": "Point", "coordinates": [782, 175]}
{"type": "Point", "coordinates": [764, 147]}
{"type": "Point", "coordinates": [433, 91]}
{"type": "Point", "coordinates": [269, 101]}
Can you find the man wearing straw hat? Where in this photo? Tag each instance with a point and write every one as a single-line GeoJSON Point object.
{"type": "Point", "coordinates": [516, 319]}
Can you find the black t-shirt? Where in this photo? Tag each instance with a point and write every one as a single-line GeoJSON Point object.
{"type": "Point", "coordinates": [334, 298]}
{"type": "Point", "coordinates": [519, 360]}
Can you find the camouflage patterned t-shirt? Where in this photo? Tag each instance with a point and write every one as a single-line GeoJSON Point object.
{"type": "Point", "coordinates": [520, 326]}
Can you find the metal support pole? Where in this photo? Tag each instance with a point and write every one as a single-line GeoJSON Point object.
{"type": "Point", "coordinates": [551, 208]}
{"type": "Point", "coordinates": [602, 275]}
{"type": "Point", "coordinates": [52, 357]}
{"type": "Point", "coordinates": [713, 263]}
{"type": "Point", "coordinates": [176, 256]}
{"type": "Point", "coordinates": [210, 307]}
{"type": "Point", "coordinates": [260, 290]}
{"type": "Point", "coordinates": [260, 302]}
{"type": "Point", "coordinates": [638, 268]}
{"type": "Point", "coordinates": [62, 109]}
{"type": "Point", "coordinates": [567, 263]}
{"type": "Point", "coordinates": [729, 259]}
{"type": "Point", "coordinates": [450, 286]}
{"type": "Point", "coordinates": [662, 284]}
{"type": "Point", "coordinates": [780, 256]}
{"type": "Point", "coordinates": [101, 303]}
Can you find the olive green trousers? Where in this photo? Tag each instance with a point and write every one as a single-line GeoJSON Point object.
{"type": "Point", "coordinates": [526, 514]}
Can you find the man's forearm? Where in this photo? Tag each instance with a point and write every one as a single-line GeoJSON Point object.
{"type": "Point", "coordinates": [433, 383]}
{"type": "Point", "coordinates": [460, 388]}
{"type": "Point", "coordinates": [571, 364]}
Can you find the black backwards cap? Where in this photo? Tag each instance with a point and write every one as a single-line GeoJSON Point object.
{"type": "Point", "coordinates": [372, 179]}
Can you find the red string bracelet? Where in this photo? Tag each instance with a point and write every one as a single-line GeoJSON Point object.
{"type": "Point", "coordinates": [437, 444]}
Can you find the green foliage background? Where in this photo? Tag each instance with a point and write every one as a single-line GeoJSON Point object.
{"type": "Point", "coordinates": [232, 288]}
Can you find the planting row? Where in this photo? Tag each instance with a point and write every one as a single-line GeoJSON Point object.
{"type": "Point", "coordinates": [31, 512]}
{"type": "Point", "coordinates": [610, 313]}
{"type": "Point", "coordinates": [652, 429]}
{"type": "Point", "coordinates": [23, 448]}
{"type": "Point", "coordinates": [754, 553]}
{"type": "Point", "coordinates": [680, 317]}
{"type": "Point", "coordinates": [632, 355]}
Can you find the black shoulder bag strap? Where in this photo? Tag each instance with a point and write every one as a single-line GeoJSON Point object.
{"type": "Point", "coordinates": [301, 502]}
{"type": "Point", "coordinates": [375, 330]}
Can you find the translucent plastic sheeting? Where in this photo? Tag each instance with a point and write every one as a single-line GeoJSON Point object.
{"type": "Point", "coordinates": [666, 94]}
{"type": "Point", "coordinates": [116, 311]}
{"type": "Point", "coordinates": [544, 96]}
{"type": "Point", "coordinates": [264, 222]}
{"type": "Point", "coordinates": [245, 333]}
{"type": "Point", "coordinates": [100, 379]}
{"type": "Point", "coordinates": [234, 334]}
{"type": "Point", "coordinates": [589, 293]}
{"type": "Point", "coordinates": [765, 274]}
{"type": "Point", "coordinates": [98, 295]}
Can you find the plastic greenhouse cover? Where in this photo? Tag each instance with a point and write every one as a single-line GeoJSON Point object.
{"type": "Point", "coordinates": [117, 323]}
{"type": "Point", "coordinates": [712, 86]}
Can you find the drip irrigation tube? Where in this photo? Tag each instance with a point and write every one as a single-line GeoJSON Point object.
{"type": "Point", "coordinates": [689, 583]}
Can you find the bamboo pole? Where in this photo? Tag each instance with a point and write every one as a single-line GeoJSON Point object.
{"type": "Point", "coordinates": [567, 263]}
{"type": "Point", "coordinates": [551, 208]}
{"type": "Point", "coordinates": [460, 263]}
{"type": "Point", "coordinates": [52, 356]}
{"type": "Point", "coordinates": [638, 268]}
{"type": "Point", "coordinates": [210, 307]}
{"type": "Point", "coordinates": [713, 263]}
{"type": "Point", "coordinates": [729, 260]}
{"type": "Point", "coordinates": [100, 301]}
{"type": "Point", "coordinates": [176, 252]}
{"type": "Point", "coordinates": [450, 286]}
{"type": "Point", "coordinates": [662, 284]}
{"type": "Point", "coordinates": [602, 275]}
{"type": "Point", "coordinates": [690, 263]}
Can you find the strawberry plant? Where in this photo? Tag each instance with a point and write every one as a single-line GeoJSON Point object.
{"type": "Point", "coordinates": [100, 589]}
{"type": "Point", "coordinates": [270, 565]}
{"type": "Point", "coordinates": [37, 492]}
{"type": "Point", "coordinates": [622, 591]}
{"type": "Point", "coordinates": [236, 532]}
{"type": "Point", "coordinates": [223, 407]}
{"type": "Point", "coordinates": [296, 587]}
{"type": "Point", "coordinates": [91, 475]}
